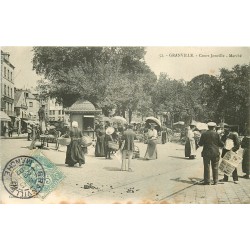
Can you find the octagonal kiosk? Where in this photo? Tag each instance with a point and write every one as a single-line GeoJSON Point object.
{"type": "Point", "coordinates": [84, 112]}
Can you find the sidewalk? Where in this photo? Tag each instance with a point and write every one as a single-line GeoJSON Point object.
{"type": "Point", "coordinates": [15, 136]}
{"type": "Point", "coordinates": [223, 193]}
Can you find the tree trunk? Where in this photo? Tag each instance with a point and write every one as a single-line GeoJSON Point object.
{"type": "Point", "coordinates": [130, 112]}
{"type": "Point", "coordinates": [123, 113]}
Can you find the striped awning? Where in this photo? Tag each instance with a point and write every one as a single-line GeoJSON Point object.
{"type": "Point", "coordinates": [4, 117]}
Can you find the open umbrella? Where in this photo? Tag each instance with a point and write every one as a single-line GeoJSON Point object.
{"type": "Point", "coordinates": [201, 126]}
{"type": "Point", "coordinates": [178, 123]}
{"type": "Point", "coordinates": [119, 119]}
{"type": "Point", "coordinates": [152, 119]}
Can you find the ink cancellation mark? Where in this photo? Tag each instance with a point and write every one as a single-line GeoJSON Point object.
{"type": "Point", "coordinates": [23, 177]}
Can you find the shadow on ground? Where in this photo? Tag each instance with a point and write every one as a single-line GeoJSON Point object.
{"type": "Point", "coordinates": [192, 180]}
{"type": "Point", "coordinates": [112, 169]}
{"type": "Point", "coordinates": [178, 157]}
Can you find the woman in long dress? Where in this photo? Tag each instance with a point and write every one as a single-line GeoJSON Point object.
{"type": "Point", "coordinates": [100, 142]}
{"type": "Point", "coordinates": [75, 153]}
{"type": "Point", "coordinates": [190, 146]}
{"type": "Point", "coordinates": [151, 153]}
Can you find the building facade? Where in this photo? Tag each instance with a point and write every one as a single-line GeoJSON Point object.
{"type": "Point", "coordinates": [33, 105]}
{"type": "Point", "coordinates": [7, 86]}
{"type": "Point", "coordinates": [54, 110]}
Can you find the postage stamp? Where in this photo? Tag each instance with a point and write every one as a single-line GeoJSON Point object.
{"type": "Point", "coordinates": [53, 174]}
{"type": "Point", "coordinates": [23, 177]}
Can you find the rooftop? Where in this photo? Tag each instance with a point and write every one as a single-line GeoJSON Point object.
{"type": "Point", "coordinates": [82, 106]}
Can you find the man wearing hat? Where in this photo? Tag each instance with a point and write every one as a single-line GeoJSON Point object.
{"type": "Point", "coordinates": [211, 142]}
{"type": "Point", "coordinates": [127, 147]}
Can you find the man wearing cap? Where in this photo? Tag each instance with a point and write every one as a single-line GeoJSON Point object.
{"type": "Point", "coordinates": [211, 143]}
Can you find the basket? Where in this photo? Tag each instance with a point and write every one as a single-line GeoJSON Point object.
{"type": "Point", "coordinates": [86, 141]}
{"type": "Point", "coordinates": [136, 153]}
{"type": "Point", "coordinates": [113, 145]}
{"type": "Point", "coordinates": [64, 141]}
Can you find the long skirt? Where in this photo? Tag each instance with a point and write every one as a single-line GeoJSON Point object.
{"type": "Point", "coordinates": [163, 137]}
{"type": "Point", "coordinates": [74, 154]}
{"type": "Point", "coordinates": [100, 147]}
{"type": "Point", "coordinates": [190, 148]}
{"type": "Point", "coordinates": [246, 161]}
{"type": "Point", "coordinates": [151, 153]}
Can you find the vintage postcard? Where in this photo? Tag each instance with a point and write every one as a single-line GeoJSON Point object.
{"type": "Point", "coordinates": [119, 125]}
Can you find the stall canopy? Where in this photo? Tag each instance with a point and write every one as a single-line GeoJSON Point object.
{"type": "Point", "coordinates": [4, 117]}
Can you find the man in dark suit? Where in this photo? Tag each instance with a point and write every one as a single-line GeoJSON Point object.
{"type": "Point", "coordinates": [127, 147]}
{"type": "Point", "coordinates": [210, 140]}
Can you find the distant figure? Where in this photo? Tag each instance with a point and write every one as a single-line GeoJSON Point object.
{"type": "Point", "coordinates": [41, 115]}
{"type": "Point", "coordinates": [245, 144]}
{"type": "Point", "coordinates": [75, 153]}
{"type": "Point", "coordinates": [10, 130]}
{"type": "Point", "coordinates": [29, 131]}
{"type": "Point", "coordinates": [127, 147]}
{"type": "Point", "coordinates": [211, 143]}
{"type": "Point", "coordinates": [151, 153]}
{"type": "Point", "coordinates": [190, 146]}
{"type": "Point", "coordinates": [100, 142]}
{"type": "Point", "coordinates": [164, 136]}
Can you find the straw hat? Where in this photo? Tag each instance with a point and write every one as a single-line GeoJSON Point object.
{"type": "Point", "coordinates": [110, 130]}
{"type": "Point", "coordinates": [212, 124]}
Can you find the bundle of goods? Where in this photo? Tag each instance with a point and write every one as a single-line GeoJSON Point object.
{"type": "Point", "coordinates": [230, 161]}
{"type": "Point", "coordinates": [86, 141]}
{"type": "Point", "coordinates": [64, 141]}
{"type": "Point", "coordinates": [113, 145]}
{"type": "Point", "coordinates": [136, 153]}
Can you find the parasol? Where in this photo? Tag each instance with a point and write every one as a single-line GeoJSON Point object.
{"type": "Point", "coordinates": [152, 119]}
{"type": "Point", "coordinates": [201, 126]}
{"type": "Point", "coordinates": [179, 123]}
{"type": "Point", "coordinates": [119, 119]}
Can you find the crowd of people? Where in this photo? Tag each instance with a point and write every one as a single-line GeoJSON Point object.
{"type": "Point", "coordinates": [212, 140]}
{"type": "Point", "coordinates": [120, 137]}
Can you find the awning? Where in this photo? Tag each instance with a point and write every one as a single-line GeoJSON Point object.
{"type": "Point", "coordinates": [4, 117]}
{"type": "Point", "coordinates": [91, 116]}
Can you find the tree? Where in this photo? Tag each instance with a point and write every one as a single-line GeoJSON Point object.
{"type": "Point", "coordinates": [109, 77]}
{"type": "Point", "coordinates": [169, 96]}
{"type": "Point", "coordinates": [234, 102]}
{"type": "Point", "coordinates": [203, 93]}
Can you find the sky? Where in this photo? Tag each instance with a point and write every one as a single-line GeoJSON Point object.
{"type": "Point", "coordinates": [178, 62]}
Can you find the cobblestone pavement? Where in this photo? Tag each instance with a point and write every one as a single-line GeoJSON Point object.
{"type": "Point", "coordinates": [169, 179]}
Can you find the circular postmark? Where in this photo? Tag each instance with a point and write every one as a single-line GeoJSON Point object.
{"type": "Point", "coordinates": [23, 177]}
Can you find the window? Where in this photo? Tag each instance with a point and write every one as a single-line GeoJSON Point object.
{"type": "Point", "coordinates": [11, 76]}
{"type": "Point", "coordinates": [62, 112]}
{"type": "Point", "coordinates": [59, 112]}
{"type": "Point", "coordinates": [5, 72]}
{"type": "Point", "coordinates": [4, 89]}
{"type": "Point", "coordinates": [50, 112]}
{"type": "Point", "coordinates": [54, 112]}
{"type": "Point", "coordinates": [30, 104]}
{"type": "Point", "coordinates": [8, 74]}
{"type": "Point", "coordinates": [8, 91]}
{"type": "Point", "coordinates": [11, 92]}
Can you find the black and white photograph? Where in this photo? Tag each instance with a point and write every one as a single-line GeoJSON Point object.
{"type": "Point", "coordinates": [125, 124]}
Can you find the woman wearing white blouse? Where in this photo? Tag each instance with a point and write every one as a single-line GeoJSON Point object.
{"type": "Point", "coordinates": [151, 153]}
